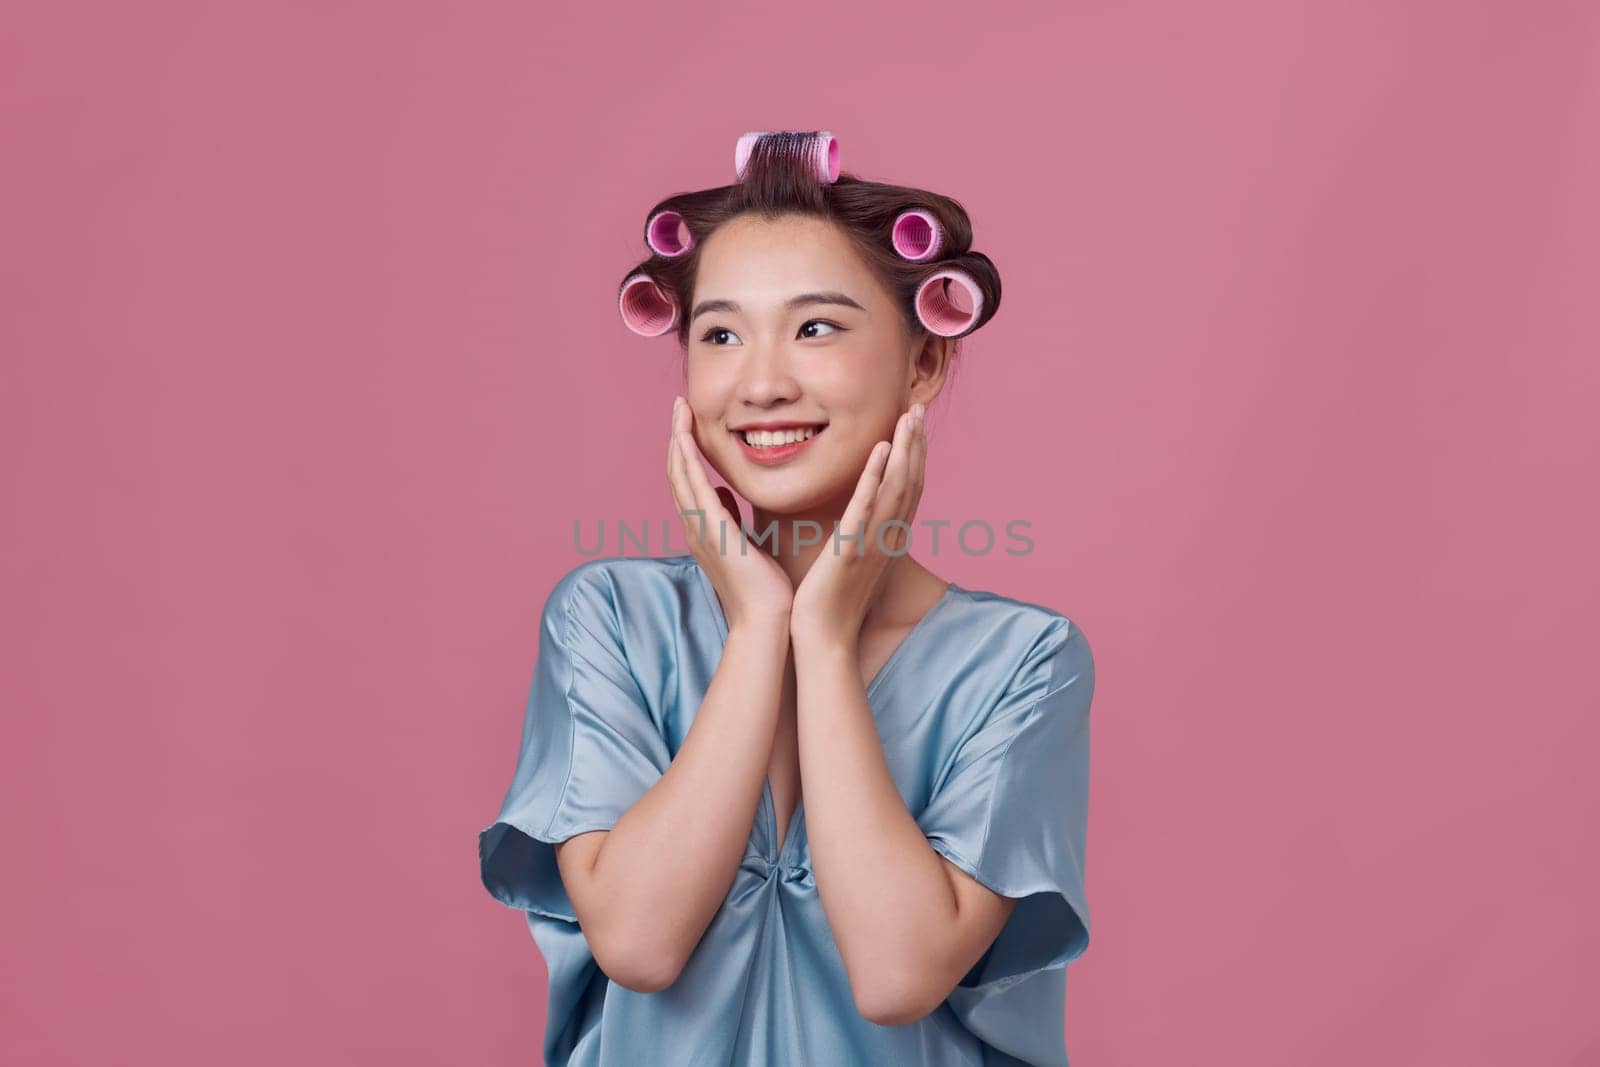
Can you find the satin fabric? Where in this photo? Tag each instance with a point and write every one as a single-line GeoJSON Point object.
{"type": "Point", "coordinates": [983, 712]}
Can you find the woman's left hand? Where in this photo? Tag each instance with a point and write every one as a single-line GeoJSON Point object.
{"type": "Point", "coordinates": [831, 601]}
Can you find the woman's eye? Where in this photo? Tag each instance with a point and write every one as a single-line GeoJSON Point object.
{"type": "Point", "coordinates": [818, 322]}
{"type": "Point", "coordinates": [714, 335]}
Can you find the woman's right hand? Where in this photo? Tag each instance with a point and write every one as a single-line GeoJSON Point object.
{"type": "Point", "coordinates": [750, 584]}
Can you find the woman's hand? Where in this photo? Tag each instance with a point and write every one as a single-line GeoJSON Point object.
{"type": "Point", "coordinates": [750, 584]}
{"type": "Point", "coordinates": [831, 601]}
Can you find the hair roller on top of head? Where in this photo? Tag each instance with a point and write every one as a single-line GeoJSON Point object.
{"type": "Point", "coordinates": [916, 242]}
{"type": "Point", "coordinates": [647, 309]}
{"type": "Point", "coordinates": [917, 235]}
{"type": "Point", "coordinates": [821, 146]}
{"type": "Point", "coordinates": [942, 315]}
{"type": "Point", "coordinates": [668, 235]}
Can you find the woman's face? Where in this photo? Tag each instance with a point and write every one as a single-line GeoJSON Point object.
{"type": "Point", "coordinates": [765, 347]}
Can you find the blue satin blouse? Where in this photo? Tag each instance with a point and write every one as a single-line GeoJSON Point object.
{"type": "Point", "coordinates": [983, 712]}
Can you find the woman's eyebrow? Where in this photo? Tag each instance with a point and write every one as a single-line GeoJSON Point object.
{"type": "Point", "coordinates": [795, 301]}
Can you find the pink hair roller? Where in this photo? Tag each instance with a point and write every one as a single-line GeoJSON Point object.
{"type": "Point", "coordinates": [917, 235]}
{"type": "Point", "coordinates": [938, 312]}
{"type": "Point", "coordinates": [646, 307]}
{"type": "Point", "coordinates": [824, 146]}
{"type": "Point", "coordinates": [667, 235]}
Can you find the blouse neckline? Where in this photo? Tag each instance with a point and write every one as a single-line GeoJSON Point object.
{"type": "Point", "coordinates": [769, 808]}
{"type": "Point", "coordinates": [951, 591]}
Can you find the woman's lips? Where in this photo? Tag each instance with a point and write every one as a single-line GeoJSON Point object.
{"type": "Point", "coordinates": [768, 457]}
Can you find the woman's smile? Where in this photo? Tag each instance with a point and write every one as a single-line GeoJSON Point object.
{"type": "Point", "coordinates": [770, 444]}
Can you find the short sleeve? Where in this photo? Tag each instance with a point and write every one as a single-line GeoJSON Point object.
{"type": "Point", "coordinates": [1012, 810]}
{"type": "Point", "coordinates": [590, 747]}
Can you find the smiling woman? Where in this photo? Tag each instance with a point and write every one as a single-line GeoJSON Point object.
{"type": "Point", "coordinates": [922, 900]}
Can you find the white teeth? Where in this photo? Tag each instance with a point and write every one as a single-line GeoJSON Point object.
{"type": "Point", "coordinates": [774, 438]}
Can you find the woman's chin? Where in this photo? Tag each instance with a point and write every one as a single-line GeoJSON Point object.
{"type": "Point", "coordinates": [773, 493]}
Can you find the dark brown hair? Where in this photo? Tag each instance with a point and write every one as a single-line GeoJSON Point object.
{"type": "Point", "coordinates": [780, 179]}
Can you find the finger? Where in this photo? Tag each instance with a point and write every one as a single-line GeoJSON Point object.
{"type": "Point", "coordinates": [694, 464]}
{"type": "Point", "coordinates": [897, 475]}
{"type": "Point", "coordinates": [672, 428]}
{"type": "Point", "coordinates": [885, 504]}
{"type": "Point", "coordinates": [900, 489]}
{"type": "Point", "coordinates": [919, 465]}
{"type": "Point", "coordinates": [705, 496]}
{"type": "Point", "coordinates": [673, 477]}
{"type": "Point", "coordinates": [695, 526]}
{"type": "Point", "coordinates": [683, 497]}
{"type": "Point", "coordinates": [677, 480]}
{"type": "Point", "coordinates": [857, 513]}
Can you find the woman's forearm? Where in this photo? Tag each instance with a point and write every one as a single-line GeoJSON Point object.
{"type": "Point", "coordinates": [666, 866]}
{"type": "Point", "coordinates": [883, 888]}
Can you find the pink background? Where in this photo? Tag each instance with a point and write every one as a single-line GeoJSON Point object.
{"type": "Point", "coordinates": [311, 359]}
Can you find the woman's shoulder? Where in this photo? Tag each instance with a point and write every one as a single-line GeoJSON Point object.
{"type": "Point", "coordinates": [1026, 640]}
{"type": "Point", "coordinates": [617, 571]}
{"type": "Point", "coordinates": [1008, 616]}
{"type": "Point", "coordinates": [605, 588]}
{"type": "Point", "coordinates": [1010, 652]}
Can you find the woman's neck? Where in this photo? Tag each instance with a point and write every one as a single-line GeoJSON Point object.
{"type": "Point", "coordinates": [780, 536]}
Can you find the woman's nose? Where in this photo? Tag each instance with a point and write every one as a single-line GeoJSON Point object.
{"type": "Point", "coordinates": [767, 376]}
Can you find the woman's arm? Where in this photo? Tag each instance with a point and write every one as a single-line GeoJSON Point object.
{"type": "Point", "coordinates": [909, 924]}
{"type": "Point", "coordinates": [645, 890]}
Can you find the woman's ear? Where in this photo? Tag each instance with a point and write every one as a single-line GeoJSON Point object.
{"type": "Point", "coordinates": [930, 367]}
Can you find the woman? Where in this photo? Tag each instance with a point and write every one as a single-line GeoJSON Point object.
{"type": "Point", "coordinates": [918, 899]}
